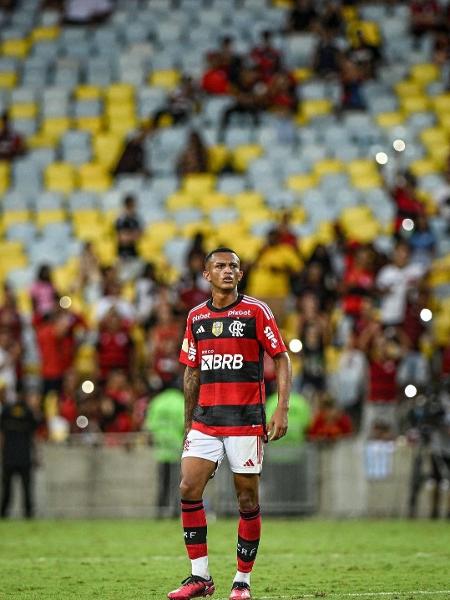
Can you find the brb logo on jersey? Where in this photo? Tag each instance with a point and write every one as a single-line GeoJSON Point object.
{"type": "Point", "coordinates": [212, 362]}
{"type": "Point", "coordinates": [270, 336]}
{"type": "Point", "coordinates": [236, 329]}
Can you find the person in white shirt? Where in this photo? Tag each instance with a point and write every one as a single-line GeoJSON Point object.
{"type": "Point", "coordinates": [393, 282]}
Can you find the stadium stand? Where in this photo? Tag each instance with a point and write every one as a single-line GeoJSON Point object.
{"type": "Point", "coordinates": [333, 170]}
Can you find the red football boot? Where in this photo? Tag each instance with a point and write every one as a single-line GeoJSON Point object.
{"type": "Point", "coordinates": [240, 591]}
{"type": "Point", "coordinates": [193, 587]}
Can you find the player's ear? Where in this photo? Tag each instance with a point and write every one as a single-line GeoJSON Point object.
{"type": "Point", "coordinates": [241, 275]}
{"type": "Point", "coordinates": [206, 275]}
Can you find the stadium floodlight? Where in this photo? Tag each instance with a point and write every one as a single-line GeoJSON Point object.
{"type": "Point", "coordinates": [381, 158]}
{"type": "Point", "coordinates": [295, 346]}
{"type": "Point", "coordinates": [410, 391]}
{"type": "Point", "coordinates": [82, 422]}
{"type": "Point", "coordinates": [426, 315]}
{"type": "Point", "coordinates": [87, 386]}
{"type": "Point", "coordinates": [408, 224]}
{"type": "Point", "coordinates": [65, 302]}
{"type": "Point", "coordinates": [399, 145]}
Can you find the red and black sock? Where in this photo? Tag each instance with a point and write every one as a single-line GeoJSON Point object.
{"type": "Point", "coordinates": [249, 533]}
{"type": "Point", "coordinates": [193, 518]}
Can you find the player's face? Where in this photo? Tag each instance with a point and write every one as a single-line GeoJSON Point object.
{"type": "Point", "coordinates": [223, 271]}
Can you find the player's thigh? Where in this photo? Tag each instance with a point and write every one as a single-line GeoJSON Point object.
{"type": "Point", "coordinates": [202, 454]}
{"type": "Point", "coordinates": [245, 453]}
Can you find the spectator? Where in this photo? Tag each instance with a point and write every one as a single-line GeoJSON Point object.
{"type": "Point", "coordinates": [163, 349]}
{"type": "Point", "coordinates": [249, 99]}
{"type": "Point", "coordinates": [266, 57]}
{"type": "Point", "coordinates": [112, 299]}
{"type": "Point", "coordinates": [18, 422]}
{"type": "Point", "coordinates": [359, 280]}
{"type": "Point", "coordinates": [76, 328]}
{"type": "Point", "coordinates": [302, 17]}
{"type": "Point", "coordinates": [50, 332]}
{"type": "Point", "coordinates": [12, 144]}
{"type": "Point", "coordinates": [281, 95]}
{"type": "Point", "coordinates": [69, 399]}
{"type": "Point", "coordinates": [351, 76]}
{"type": "Point", "coordinates": [286, 232]}
{"type": "Point", "coordinates": [194, 156]}
{"type": "Point", "coordinates": [271, 272]}
{"type": "Point", "coordinates": [422, 242]}
{"type": "Point", "coordinates": [165, 421]}
{"type": "Point", "coordinates": [44, 296]}
{"type": "Point", "coordinates": [192, 286]}
{"type": "Point", "coordinates": [134, 157]}
{"type": "Point", "coordinates": [365, 55]}
{"type": "Point", "coordinates": [9, 351]}
{"type": "Point", "coordinates": [312, 281]}
{"type": "Point", "coordinates": [11, 322]}
{"type": "Point", "coordinates": [425, 16]}
{"type": "Point", "coordinates": [215, 78]}
{"type": "Point", "coordinates": [327, 56]}
{"type": "Point", "coordinates": [329, 423]}
{"type": "Point", "coordinates": [147, 286]}
{"type": "Point", "coordinates": [332, 19]}
{"type": "Point", "coordinates": [229, 60]}
{"type": "Point", "coordinates": [115, 345]}
{"type": "Point", "coordinates": [393, 282]}
{"type": "Point", "coordinates": [181, 103]}
{"type": "Point", "coordinates": [129, 229]}
{"type": "Point", "coordinates": [89, 274]}
{"type": "Point", "coordinates": [405, 198]}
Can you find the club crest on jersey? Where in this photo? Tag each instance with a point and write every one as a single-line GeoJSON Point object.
{"type": "Point", "coordinates": [217, 328]}
{"type": "Point", "coordinates": [236, 328]}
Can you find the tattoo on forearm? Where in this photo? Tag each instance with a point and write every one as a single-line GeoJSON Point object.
{"type": "Point", "coordinates": [191, 391]}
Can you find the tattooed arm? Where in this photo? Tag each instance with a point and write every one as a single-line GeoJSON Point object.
{"type": "Point", "coordinates": [191, 385]}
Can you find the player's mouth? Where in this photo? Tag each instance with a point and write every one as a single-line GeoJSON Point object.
{"type": "Point", "coordinates": [228, 280]}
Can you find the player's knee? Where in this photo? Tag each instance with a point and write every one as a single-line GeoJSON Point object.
{"type": "Point", "coordinates": [188, 490]}
{"type": "Point", "coordinates": [247, 500]}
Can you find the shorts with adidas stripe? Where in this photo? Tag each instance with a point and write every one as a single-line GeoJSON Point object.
{"type": "Point", "coordinates": [244, 452]}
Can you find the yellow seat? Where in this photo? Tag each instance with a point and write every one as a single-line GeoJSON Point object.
{"type": "Point", "coordinates": [89, 225]}
{"type": "Point", "coordinates": [247, 246]}
{"type": "Point", "coordinates": [54, 127]}
{"type": "Point", "coordinates": [301, 74]}
{"type": "Point", "coordinates": [408, 88]}
{"type": "Point", "coordinates": [120, 110]}
{"type": "Point", "coordinates": [94, 177]}
{"type": "Point", "coordinates": [361, 166]}
{"type": "Point", "coordinates": [5, 170]}
{"type": "Point", "coordinates": [307, 244]}
{"type": "Point", "coordinates": [24, 303]}
{"type": "Point", "coordinates": [444, 122]}
{"type": "Point", "coordinates": [424, 73]}
{"type": "Point", "coordinates": [88, 92]}
{"type": "Point", "coordinates": [92, 124]}
{"type": "Point", "coordinates": [314, 108]}
{"type": "Point", "coordinates": [441, 103]}
{"type": "Point", "coordinates": [18, 48]}
{"type": "Point", "coordinates": [218, 157]}
{"type": "Point", "coordinates": [106, 251]}
{"type": "Point", "coordinates": [328, 166]}
{"type": "Point", "coordinates": [8, 79]}
{"type": "Point", "coordinates": [107, 148]}
{"type": "Point", "coordinates": [433, 136]}
{"type": "Point", "coordinates": [256, 215]}
{"type": "Point", "coordinates": [161, 232]}
{"type": "Point", "coordinates": [198, 184]}
{"type": "Point", "coordinates": [11, 262]}
{"type": "Point", "coordinates": [11, 217]}
{"type": "Point", "coordinates": [248, 201]}
{"type": "Point", "coordinates": [228, 233]}
{"type": "Point", "coordinates": [180, 201]}
{"type": "Point", "coordinates": [10, 248]}
{"type": "Point", "coordinates": [165, 78]}
{"type": "Point", "coordinates": [189, 230]}
{"type": "Point", "coordinates": [60, 177]}
{"type": "Point", "coordinates": [45, 34]}
{"type": "Point", "coordinates": [211, 200]}
{"type": "Point", "coordinates": [411, 104]}
{"type": "Point", "coordinates": [366, 181]}
{"type": "Point", "coordinates": [244, 154]}
{"type": "Point", "coordinates": [122, 126]}
{"type": "Point", "coordinates": [23, 110]}
{"type": "Point", "coordinates": [370, 32]}
{"type": "Point", "coordinates": [439, 154]}
{"type": "Point", "coordinates": [326, 232]}
{"type": "Point", "coordinates": [46, 217]}
{"type": "Point", "coordinates": [301, 182]}
{"type": "Point", "coordinates": [423, 166]}
{"type": "Point", "coordinates": [119, 92]}
{"type": "Point", "coordinates": [390, 119]}
{"type": "Point", "coordinates": [41, 140]}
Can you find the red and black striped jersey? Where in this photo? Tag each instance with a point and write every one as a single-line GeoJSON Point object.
{"type": "Point", "coordinates": [228, 346]}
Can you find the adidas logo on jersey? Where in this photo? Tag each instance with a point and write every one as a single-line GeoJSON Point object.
{"type": "Point", "coordinates": [249, 463]}
{"type": "Point", "coordinates": [201, 329]}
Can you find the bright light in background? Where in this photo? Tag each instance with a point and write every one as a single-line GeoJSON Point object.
{"type": "Point", "coordinates": [65, 302]}
{"type": "Point", "coordinates": [87, 386]}
{"type": "Point", "coordinates": [381, 158]}
{"type": "Point", "coordinates": [426, 315]}
{"type": "Point", "coordinates": [82, 422]}
{"type": "Point", "coordinates": [410, 391]}
{"type": "Point", "coordinates": [398, 145]}
{"type": "Point", "coordinates": [408, 224]}
{"type": "Point", "coordinates": [295, 346]}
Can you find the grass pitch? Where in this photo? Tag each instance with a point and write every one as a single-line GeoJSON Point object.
{"type": "Point", "coordinates": [127, 560]}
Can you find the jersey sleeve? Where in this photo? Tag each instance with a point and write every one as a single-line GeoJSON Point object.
{"type": "Point", "coordinates": [189, 349]}
{"type": "Point", "coordinates": [268, 333]}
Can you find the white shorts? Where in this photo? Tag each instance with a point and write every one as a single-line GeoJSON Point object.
{"type": "Point", "coordinates": [244, 453]}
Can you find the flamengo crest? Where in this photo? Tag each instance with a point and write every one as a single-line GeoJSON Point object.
{"type": "Point", "coordinates": [236, 329]}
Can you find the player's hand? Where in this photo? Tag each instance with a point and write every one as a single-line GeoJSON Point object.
{"type": "Point", "coordinates": [278, 424]}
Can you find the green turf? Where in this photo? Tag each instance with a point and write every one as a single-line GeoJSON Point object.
{"type": "Point", "coordinates": [127, 560]}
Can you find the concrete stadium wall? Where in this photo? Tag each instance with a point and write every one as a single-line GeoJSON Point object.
{"type": "Point", "coordinates": [104, 482]}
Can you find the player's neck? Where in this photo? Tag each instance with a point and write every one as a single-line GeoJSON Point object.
{"type": "Point", "coordinates": [223, 299]}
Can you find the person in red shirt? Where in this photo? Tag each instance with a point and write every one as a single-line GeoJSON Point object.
{"type": "Point", "coordinates": [68, 402]}
{"type": "Point", "coordinates": [359, 280]}
{"type": "Point", "coordinates": [114, 344]}
{"type": "Point", "coordinates": [266, 57]}
{"type": "Point", "coordinates": [163, 344]}
{"type": "Point", "coordinates": [215, 79]}
{"type": "Point", "coordinates": [76, 325]}
{"type": "Point", "coordinates": [329, 423]}
{"type": "Point", "coordinates": [117, 403]}
{"type": "Point", "coordinates": [50, 332]}
{"type": "Point", "coordinates": [12, 144]}
{"type": "Point", "coordinates": [405, 199]}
